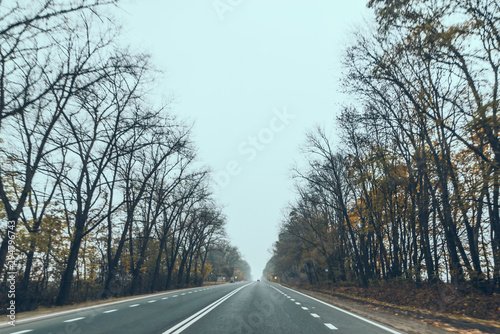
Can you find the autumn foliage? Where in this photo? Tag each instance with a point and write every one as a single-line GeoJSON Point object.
{"type": "Point", "coordinates": [410, 192]}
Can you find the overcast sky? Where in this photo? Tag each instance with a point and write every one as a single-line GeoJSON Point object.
{"type": "Point", "coordinates": [253, 76]}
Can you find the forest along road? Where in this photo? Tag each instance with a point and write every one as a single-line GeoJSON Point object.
{"type": "Point", "coordinates": [246, 307]}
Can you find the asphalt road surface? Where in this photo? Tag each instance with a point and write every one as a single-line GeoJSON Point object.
{"type": "Point", "coordinates": [246, 307]}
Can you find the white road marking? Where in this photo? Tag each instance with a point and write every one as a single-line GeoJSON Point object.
{"type": "Point", "coordinates": [182, 294]}
{"type": "Point", "coordinates": [288, 297]}
{"type": "Point", "coordinates": [292, 300]}
{"type": "Point", "coordinates": [81, 309]}
{"type": "Point", "coordinates": [110, 311]}
{"type": "Point", "coordinates": [346, 312]}
{"type": "Point", "coordinates": [297, 303]}
{"type": "Point", "coordinates": [165, 298]}
{"type": "Point", "coordinates": [180, 327]}
{"type": "Point", "coordinates": [330, 326]}
{"type": "Point", "coordinates": [315, 315]}
{"type": "Point", "coordinates": [25, 331]}
{"type": "Point", "coordinates": [74, 319]}
{"type": "Point", "coordinates": [135, 305]}
{"type": "Point", "coordinates": [152, 301]}
{"type": "Point", "coordinates": [175, 296]}
{"type": "Point", "coordinates": [190, 292]}
{"type": "Point", "coordinates": [305, 308]}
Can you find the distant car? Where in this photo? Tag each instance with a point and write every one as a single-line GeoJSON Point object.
{"type": "Point", "coordinates": [258, 280]}
{"type": "Point", "coordinates": [231, 280]}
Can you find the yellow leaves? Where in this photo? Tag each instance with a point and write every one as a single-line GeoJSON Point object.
{"type": "Point", "coordinates": [207, 270]}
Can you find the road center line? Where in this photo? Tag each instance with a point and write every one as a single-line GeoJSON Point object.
{"type": "Point", "coordinates": [181, 326]}
{"type": "Point", "coordinates": [135, 305]}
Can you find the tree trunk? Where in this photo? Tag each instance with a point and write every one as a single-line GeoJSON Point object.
{"type": "Point", "coordinates": [67, 278]}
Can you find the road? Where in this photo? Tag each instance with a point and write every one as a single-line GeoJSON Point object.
{"type": "Point", "coordinates": [246, 307]}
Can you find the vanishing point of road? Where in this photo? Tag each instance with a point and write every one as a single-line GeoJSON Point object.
{"type": "Point", "coordinates": [246, 307]}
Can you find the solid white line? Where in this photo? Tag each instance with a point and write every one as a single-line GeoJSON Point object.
{"type": "Point", "coordinates": [331, 326]}
{"type": "Point", "coordinates": [110, 311]}
{"type": "Point", "coordinates": [74, 319]}
{"type": "Point", "coordinates": [346, 312]}
{"type": "Point", "coordinates": [134, 305]}
{"type": "Point", "coordinates": [200, 314]}
{"type": "Point", "coordinates": [315, 315]}
{"type": "Point", "coordinates": [25, 331]}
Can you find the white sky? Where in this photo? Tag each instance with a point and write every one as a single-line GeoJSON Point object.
{"type": "Point", "coordinates": [231, 73]}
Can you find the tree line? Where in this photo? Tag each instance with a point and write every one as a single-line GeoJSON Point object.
{"type": "Point", "coordinates": [411, 191]}
{"type": "Point", "coordinates": [101, 181]}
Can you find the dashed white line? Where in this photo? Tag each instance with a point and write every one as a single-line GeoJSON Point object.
{"type": "Point", "coordinates": [182, 294]}
{"type": "Point", "coordinates": [110, 311]}
{"type": "Point", "coordinates": [305, 308]}
{"type": "Point", "coordinates": [288, 297]}
{"type": "Point", "coordinates": [74, 319]}
{"type": "Point", "coordinates": [165, 298]}
{"type": "Point", "coordinates": [292, 300]}
{"type": "Point", "coordinates": [152, 301]}
{"type": "Point", "coordinates": [190, 292]}
{"type": "Point", "coordinates": [135, 305]}
{"type": "Point", "coordinates": [315, 315]}
{"type": "Point", "coordinates": [387, 329]}
{"type": "Point", "coordinates": [297, 303]}
{"type": "Point", "coordinates": [174, 296]}
{"type": "Point", "coordinates": [25, 331]}
{"type": "Point", "coordinates": [330, 326]}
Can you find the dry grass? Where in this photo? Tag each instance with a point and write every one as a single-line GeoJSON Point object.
{"type": "Point", "coordinates": [439, 298]}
